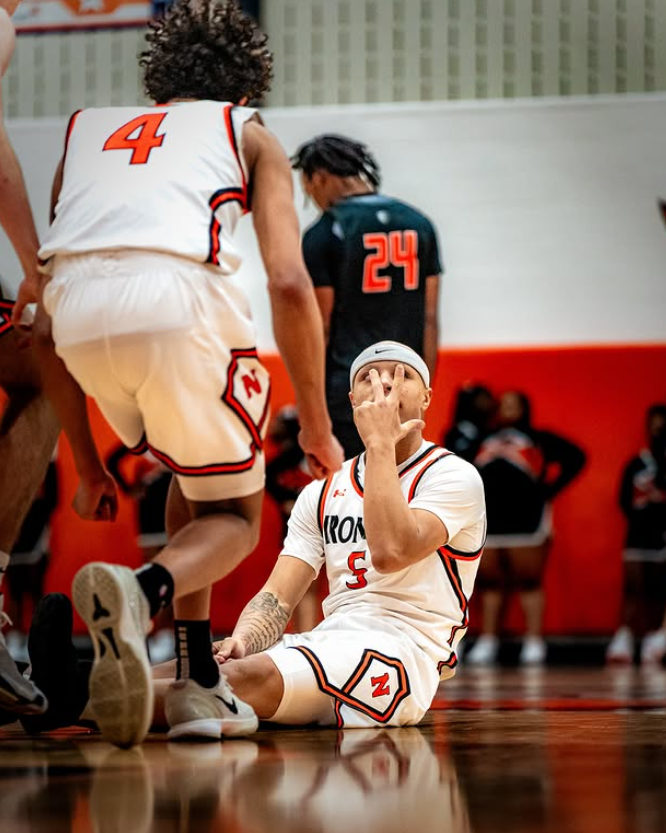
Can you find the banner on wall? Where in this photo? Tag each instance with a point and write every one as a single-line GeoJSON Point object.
{"type": "Point", "coordinates": [58, 15]}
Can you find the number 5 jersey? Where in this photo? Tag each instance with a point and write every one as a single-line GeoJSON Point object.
{"type": "Point", "coordinates": [427, 601]}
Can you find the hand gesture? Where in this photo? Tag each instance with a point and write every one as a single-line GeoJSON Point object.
{"type": "Point", "coordinates": [378, 418]}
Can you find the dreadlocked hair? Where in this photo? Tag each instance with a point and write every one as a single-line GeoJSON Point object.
{"type": "Point", "coordinates": [204, 49]}
{"type": "Point", "coordinates": [339, 156]}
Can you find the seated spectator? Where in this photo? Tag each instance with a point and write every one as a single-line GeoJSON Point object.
{"type": "Point", "coordinates": [475, 408]}
{"type": "Point", "coordinates": [523, 469]}
{"type": "Point", "coordinates": [643, 501]}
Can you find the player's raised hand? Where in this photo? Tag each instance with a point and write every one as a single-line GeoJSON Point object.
{"type": "Point", "coordinates": [377, 419]}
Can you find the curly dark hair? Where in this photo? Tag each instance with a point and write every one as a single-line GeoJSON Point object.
{"type": "Point", "coordinates": [204, 49]}
{"type": "Point", "coordinates": [338, 155]}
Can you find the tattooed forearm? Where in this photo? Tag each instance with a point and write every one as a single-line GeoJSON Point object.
{"type": "Point", "coordinates": [261, 623]}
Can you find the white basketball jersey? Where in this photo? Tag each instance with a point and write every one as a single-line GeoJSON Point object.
{"type": "Point", "coordinates": [429, 600]}
{"type": "Point", "coordinates": [168, 178]}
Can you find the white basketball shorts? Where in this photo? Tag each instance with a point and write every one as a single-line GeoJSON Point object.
{"type": "Point", "coordinates": [166, 348]}
{"type": "Point", "coordinates": [349, 674]}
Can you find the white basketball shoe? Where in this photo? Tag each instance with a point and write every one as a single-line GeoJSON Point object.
{"type": "Point", "coordinates": [110, 601]}
{"type": "Point", "coordinates": [207, 713]}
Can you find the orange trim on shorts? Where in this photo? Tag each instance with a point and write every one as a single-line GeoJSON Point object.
{"type": "Point", "coordinates": [344, 697]}
{"type": "Point", "coordinates": [213, 468]}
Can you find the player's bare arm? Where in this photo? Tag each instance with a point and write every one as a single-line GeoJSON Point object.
{"type": "Point", "coordinates": [32, 286]}
{"type": "Point", "coordinates": [296, 320]}
{"type": "Point", "coordinates": [15, 212]}
{"type": "Point", "coordinates": [265, 617]}
{"type": "Point", "coordinates": [397, 535]}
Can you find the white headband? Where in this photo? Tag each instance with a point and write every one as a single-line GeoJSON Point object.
{"type": "Point", "coordinates": [390, 351]}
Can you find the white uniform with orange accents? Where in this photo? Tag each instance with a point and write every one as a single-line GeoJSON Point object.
{"type": "Point", "coordinates": [387, 639]}
{"type": "Point", "coordinates": [164, 179]}
{"type": "Point", "coordinates": [144, 313]}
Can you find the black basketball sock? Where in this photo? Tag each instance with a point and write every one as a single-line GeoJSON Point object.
{"type": "Point", "coordinates": [157, 584]}
{"type": "Point", "coordinates": [194, 653]}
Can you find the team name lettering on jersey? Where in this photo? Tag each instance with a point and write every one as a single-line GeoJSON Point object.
{"type": "Point", "coordinates": [343, 530]}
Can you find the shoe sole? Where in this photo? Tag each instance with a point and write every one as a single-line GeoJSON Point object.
{"type": "Point", "coordinates": [121, 684]}
{"type": "Point", "coordinates": [213, 729]}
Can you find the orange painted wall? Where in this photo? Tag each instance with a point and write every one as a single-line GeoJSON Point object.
{"type": "Point", "coordinates": [596, 396]}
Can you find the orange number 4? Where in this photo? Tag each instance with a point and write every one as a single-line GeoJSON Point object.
{"type": "Point", "coordinates": [141, 144]}
{"type": "Point", "coordinates": [397, 248]}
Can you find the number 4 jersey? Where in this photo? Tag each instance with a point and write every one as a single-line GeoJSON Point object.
{"type": "Point", "coordinates": [167, 178]}
{"type": "Point", "coordinates": [427, 601]}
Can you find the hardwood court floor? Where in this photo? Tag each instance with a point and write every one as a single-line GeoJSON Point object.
{"type": "Point", "coordinates": [567, 751]}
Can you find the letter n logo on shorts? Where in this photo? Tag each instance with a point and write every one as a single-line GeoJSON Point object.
{"type": "Point", "coordinates": [248, 392]}
{"type": "Point", "coordinates": [252, 384]}
{"type": "Point", "coordinates": [376, 687]}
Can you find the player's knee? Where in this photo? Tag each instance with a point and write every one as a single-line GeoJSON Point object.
{"type": "Point", "coordinates": [257, 681]}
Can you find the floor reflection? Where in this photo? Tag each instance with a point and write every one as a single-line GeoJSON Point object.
{"type": "Point", "coordinates": [288, 781]}
{"type": "Point", "coordinates": [585, 753]}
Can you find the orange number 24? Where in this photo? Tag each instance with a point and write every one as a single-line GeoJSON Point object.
{"type": "Point", "coordinates": [146, 138]}
{"type": "Point", "coordinates": [397, 248]}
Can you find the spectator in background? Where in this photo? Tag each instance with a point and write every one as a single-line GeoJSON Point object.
{"type": "Point", "coordinates": [474, 411]}
{"type": "Point", "coordinates": [643, 501]}
{"type": "Point", "coordinates": [149, 487]}
{"type": "Point", "coordinates": [286, 476]}
{"type": "Point", "coordinates": [375, 265]}
{"type": "Point", "coordinates": [523, 469]}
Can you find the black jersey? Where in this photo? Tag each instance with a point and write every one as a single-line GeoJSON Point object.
{"type": "Point", "coordinates": [516, 467]}
{"type": "Point", "coordinates": [643, 501]}
{"type": "Point", "coordinates": [376, 253]}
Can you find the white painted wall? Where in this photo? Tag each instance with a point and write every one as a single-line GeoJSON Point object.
{"type": "Point", "coordinates": [546, 210]}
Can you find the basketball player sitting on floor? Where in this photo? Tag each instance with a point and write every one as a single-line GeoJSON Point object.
{"type": "Point", "coordinates": [399, 530]}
